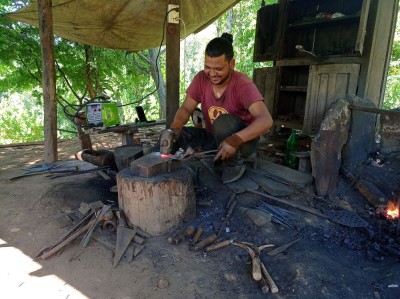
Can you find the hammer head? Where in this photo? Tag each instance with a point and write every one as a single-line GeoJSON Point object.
{"type": "Point", "coordinates": [168, 142]}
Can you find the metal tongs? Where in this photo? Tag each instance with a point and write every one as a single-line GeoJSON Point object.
{"type": "Point", "coordinates": [191, 153]}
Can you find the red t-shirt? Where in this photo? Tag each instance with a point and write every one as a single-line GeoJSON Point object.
{"type": "Point", "coordinates": [238, 96]}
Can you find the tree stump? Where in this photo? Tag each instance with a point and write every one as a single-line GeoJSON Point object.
{"type": "Point", "coordinates": [157, 203]}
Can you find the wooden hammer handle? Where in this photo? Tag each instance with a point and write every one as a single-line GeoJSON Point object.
{"type": "Point", "coordinates": [270, 282]}
{"type": "Point", "coordinates": [217, 246]}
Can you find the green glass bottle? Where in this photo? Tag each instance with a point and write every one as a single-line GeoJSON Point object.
{"type": "Point", "coordinates": [291, 147]}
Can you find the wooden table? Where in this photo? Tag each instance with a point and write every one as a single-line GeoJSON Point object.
{"type": "Point", "coordinates": [127, 131]}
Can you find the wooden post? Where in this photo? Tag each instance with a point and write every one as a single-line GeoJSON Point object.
{"type": "Point", "coordinates": [172, 61]}
{"type": "Point", "coordinates": [48, 80]}
{"type": "Point", "coordinates": [382, 42]}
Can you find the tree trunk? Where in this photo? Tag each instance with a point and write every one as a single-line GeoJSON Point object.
{"type": "Point", "coordinates": [89, 57]}
{"type": "Point", "coordinates": [156, 74]}
{"type": "Point", "coordinates": [230, 20]}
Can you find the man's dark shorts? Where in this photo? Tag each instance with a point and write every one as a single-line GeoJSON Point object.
{"type": "Point", "coordinates": [224, 126]}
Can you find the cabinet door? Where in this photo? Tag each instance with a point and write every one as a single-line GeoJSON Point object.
{"type": "Point", "coordinates": [268, 33]}
{"type": "Point", "coordinates": [266, 82]}
{"type": "Point", "coordinates": [326, 84]}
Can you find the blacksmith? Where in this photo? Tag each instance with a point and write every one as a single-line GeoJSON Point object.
{"type": "Point", "coordinates": [233, 109]}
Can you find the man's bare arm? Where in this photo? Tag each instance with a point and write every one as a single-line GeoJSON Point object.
{"type": "Point", "coordinates": [262, 122]}
{"type": "Point", "coordinates": [183, 113]}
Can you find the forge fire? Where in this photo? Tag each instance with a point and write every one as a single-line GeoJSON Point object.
{"type": "Point", "coordinates": [392, 210]}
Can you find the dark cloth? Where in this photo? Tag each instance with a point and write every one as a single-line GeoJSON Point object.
{"type": "Point", "coordinates": [224, 126]}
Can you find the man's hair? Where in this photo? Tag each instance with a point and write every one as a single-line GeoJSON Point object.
{"type": "Point", "coordinates": [220, 46]}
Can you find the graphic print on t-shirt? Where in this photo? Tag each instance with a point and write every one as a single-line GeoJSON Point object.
{"type": "Point", "coordinates": [214, 112]}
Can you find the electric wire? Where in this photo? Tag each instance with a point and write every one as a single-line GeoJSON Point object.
{"type": "Point", "coordinates": [184, 51]}
{"type": "Point", "coordinates": [158, 55]}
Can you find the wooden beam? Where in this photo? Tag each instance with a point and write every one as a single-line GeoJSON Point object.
{"type": "Point", "coordinates": [375, 110]}
{"type": "Point", "coordinates": [48, 80]}
{"type": "Point", "coordinates": [385, 24]}
{"type": "Point", "coordinates": [173, 69]}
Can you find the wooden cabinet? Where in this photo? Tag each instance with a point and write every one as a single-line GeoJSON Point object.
{"type": "Point", "coordinates": [310, 28]}
{"type": "Point", "coordinates": [325, 28]}
{"type": "Point", "coordinates": [299, 96]}
{"type": "Point", "coordinates": [316, 47]}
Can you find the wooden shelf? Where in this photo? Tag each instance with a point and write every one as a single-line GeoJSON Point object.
{"type": "Point", "coordinates": [293, 124]}
{"type": "Point", "coordinates": [305, 61]}
{"type": "Point", "coordinates": [325, 22]}
{"type": "Point", "coordinates": [294, 88]}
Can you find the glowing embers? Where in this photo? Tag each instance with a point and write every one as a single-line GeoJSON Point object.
{"type": "Point", "coordinates": [392, 210]}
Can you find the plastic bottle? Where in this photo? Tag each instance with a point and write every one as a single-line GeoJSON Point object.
{"type": "Point", "coordinates": [291, 147]}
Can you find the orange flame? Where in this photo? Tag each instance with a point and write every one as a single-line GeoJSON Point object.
{"type": "Point", "coordinates": [165, 155]}
{"type": "Point", "coordinates": [392, 210]}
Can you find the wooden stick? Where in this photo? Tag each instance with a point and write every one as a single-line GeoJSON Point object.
{"type": "Point", "coordinates": [233, 195]}
{"type": "Point", "coordinates": [270, 282]}
{"type": "Point", "coordinates": [66, 235]}
{"type": "Point", "coordinates": [142, 233]}
{"type": "Point", "coordinates": [262, 284]}
{"type": "Point", "coordinates": [197, 236]}
{"type": "Point", "coordinates": [255, 261]}
{"type": "Point", "coordinates": [89, 233]}
{"type": "Point", "coordinates": [217, 246]}
{"type": "Point", "coordinates": [71, 238]}
{"type": "Point", "coordinates": [204, 243]}
{"type": "Point", "coordinates": [374, 110]}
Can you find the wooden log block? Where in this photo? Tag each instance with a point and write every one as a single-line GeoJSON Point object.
{"type": "Point", "coordinates": [371, 193]}
{"type": "Point", "coordinates": [157, 203]}
{"type": "Point", "coordinates": [125, 154]}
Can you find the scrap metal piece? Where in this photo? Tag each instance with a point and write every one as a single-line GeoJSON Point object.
{"type": "Point", "coordinates": [89, 233]}
{"type": "Point", "coordinates": [346, 218]}
{"type": "Point", "coordinates": [233, 173]}
{"type": "Point", "coordinates": [124, 238]}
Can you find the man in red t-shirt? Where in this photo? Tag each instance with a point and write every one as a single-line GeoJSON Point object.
{"type": "Point", "coordinates": [233, 108]}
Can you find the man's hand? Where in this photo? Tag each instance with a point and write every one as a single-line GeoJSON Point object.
{"type": "Point", "coordinates": [225, 152]}
{"type": "Point", "coordinates": [228, 148]}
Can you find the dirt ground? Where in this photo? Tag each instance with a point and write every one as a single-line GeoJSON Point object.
{"type": "Point", "coordinates": [330, 261]}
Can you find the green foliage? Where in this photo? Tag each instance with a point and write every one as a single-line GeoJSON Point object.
{"type": "Point", "coordinates": [243, 30]}
{"type": "Point", "coordinates": [392, 91]}
{"type": "Point", "coordinates": [20, 119]}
